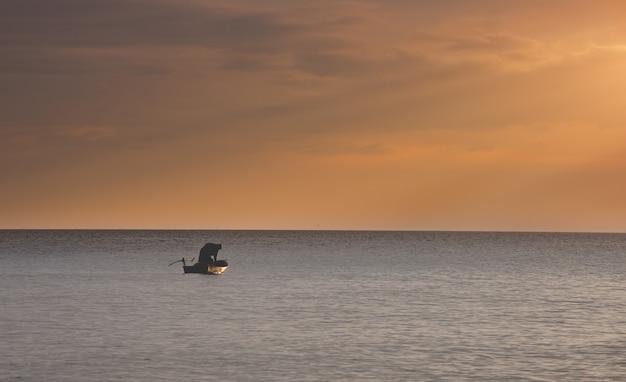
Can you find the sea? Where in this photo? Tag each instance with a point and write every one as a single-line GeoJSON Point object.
{"type": "Point", "coordinates": [98, 305]}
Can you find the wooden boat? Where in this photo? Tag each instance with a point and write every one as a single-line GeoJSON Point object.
{"type": "Point", "coordinates": [208, 263]}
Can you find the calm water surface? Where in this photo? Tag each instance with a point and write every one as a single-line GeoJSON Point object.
{"type": "Point", "coordinates": [313, 306]}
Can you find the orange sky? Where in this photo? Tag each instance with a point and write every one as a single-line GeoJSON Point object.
{"type": "Point", "coordinates": [386, 115]}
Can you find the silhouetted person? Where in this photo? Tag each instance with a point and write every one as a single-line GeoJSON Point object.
{"type": "Point", "coordinates": [183, 260]}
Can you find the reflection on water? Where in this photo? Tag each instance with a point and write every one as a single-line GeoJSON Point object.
{"type": "Point", "coordinates": [104, 305]}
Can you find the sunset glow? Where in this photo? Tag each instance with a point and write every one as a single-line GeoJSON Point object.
{"type": "Point", "coordinates": [385, 115]}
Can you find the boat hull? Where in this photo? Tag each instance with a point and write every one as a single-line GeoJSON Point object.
{"type": "Point", "coordinates": [207, 269]}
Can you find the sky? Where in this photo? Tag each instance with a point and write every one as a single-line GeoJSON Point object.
{"type": "Point", "coordinates": [483, 115]}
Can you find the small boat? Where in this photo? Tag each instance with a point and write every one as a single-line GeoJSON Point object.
{"type": "Point", "coordinates": [208, 263]}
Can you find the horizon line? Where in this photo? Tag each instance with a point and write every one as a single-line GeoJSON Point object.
{"type": "Point", "coordinates": [307, 230]}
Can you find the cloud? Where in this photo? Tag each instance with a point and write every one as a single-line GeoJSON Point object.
{"type": "Point", "coordinates": [491, 43]}
{"type": "Point", "coordinates": [343, 149]}
{"type": "Point", "coordinates": [127, 23]}
{"type": "Point", "coordinates": [73, 36]}
{"type": "Point", "coordinates": [90, 133]}
{"type": "Point", "coordinates": [331, 64]}
{"type": "Point", "coordinates": [138, 37]}
{"type": "Point", "coordinates": [76, 62]}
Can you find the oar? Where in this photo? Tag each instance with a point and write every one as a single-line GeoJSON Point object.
{"type": "Point", "coordinates": [178, 261]}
